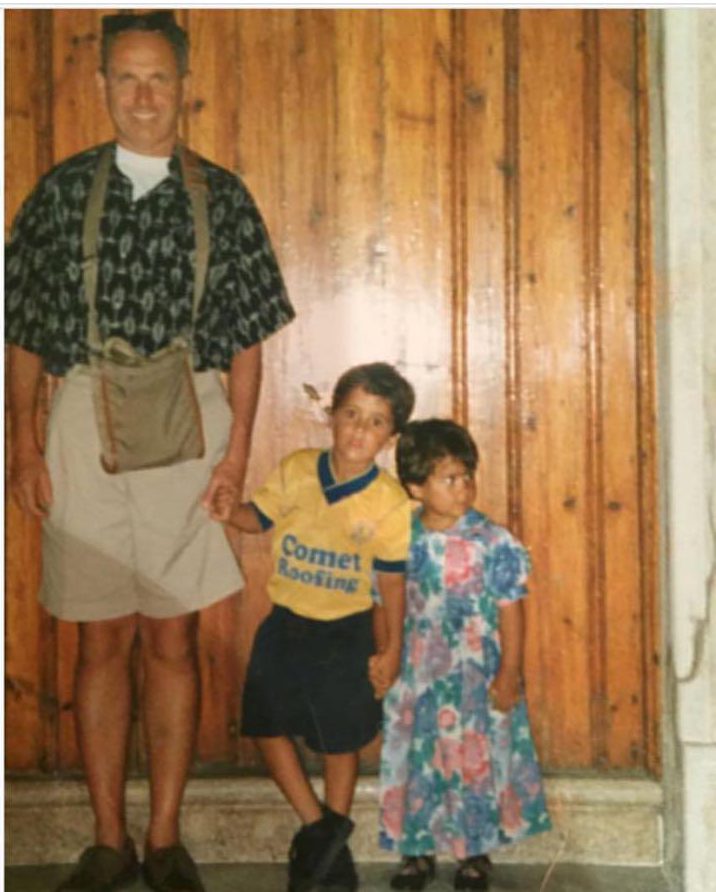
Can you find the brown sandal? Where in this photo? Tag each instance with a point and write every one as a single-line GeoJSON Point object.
{"type": "Point", "coordinates": [473, 873]}
{"type": "Point", "coordinates": [415, 872]}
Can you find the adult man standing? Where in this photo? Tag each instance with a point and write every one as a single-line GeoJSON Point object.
{"type": "Point", "coordinates": [134, 554]}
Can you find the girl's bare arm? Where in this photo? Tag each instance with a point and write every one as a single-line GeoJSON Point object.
{"type": "Point", "coordinates": [506, 689]}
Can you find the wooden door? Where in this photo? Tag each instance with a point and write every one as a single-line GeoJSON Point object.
{"type": "Point", "coordinates": [463, 193]}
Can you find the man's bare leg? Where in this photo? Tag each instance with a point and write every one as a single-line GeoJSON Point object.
{"type": "Point", "coordinates": [284, 765]}
{"type": "Point", "coordinates": [171, 699]}
{"type": "Point", "coordinates": [103, 693]}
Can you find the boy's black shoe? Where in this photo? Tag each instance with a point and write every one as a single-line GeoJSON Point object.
{"type": "Point", "coordinates": [315, 848]}
{"type": "Point", "coordinates": [342, 877]}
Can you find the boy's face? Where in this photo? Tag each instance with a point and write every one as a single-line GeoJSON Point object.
{"type": "Point", "coordinates": [447, 493]}
{"type": "Point", "coordinates": [362, 425]}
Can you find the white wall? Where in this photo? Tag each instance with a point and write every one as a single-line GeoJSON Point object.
{"type": "Point", "coordinates": [686, 278]}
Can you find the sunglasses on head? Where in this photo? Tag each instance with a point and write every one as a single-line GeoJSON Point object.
{"type": "Point", "coordinates": [152, 21]}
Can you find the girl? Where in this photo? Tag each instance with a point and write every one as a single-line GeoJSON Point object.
{"type": "Point", "coordinates": [459, 773]}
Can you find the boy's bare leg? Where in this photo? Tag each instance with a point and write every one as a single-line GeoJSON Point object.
{"type": "Point", "coordinates": [340, 772]}
{"type": "Point", "coordinates": [286, 769]}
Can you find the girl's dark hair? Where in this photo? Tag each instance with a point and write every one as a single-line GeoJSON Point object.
{"type": "Point", "coordinates": [423, 443]}
{"type": "Point", "coordinates": [161, 22]}
{"type": "Point", "coordinates": [380, 379]}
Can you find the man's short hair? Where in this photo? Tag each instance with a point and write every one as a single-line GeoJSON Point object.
{"type": "Point", "coordinates": [162, 22]}
{"type": "Point", "coordinates": [423, 443]}
{"type": "Point", "coordinates": [380, 379]}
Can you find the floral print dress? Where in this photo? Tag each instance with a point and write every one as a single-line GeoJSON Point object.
{"type": "Point", "coordinates": [457, 776]}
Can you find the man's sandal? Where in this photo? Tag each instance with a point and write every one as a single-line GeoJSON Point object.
{"type": "Point", "coordinates": [415, 872]}
{"type": "Point", "coordinates": [171, 869]}
{"type": "Point", "coordinates": [473, 873]}
{"type": "Point", "coordinates": [103, 869]}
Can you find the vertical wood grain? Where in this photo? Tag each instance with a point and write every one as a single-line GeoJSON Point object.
{"type": "Point", "coordinates": [80, 119]}
{"type": "Point", "coordinates": [594, 396]}
{"type": "Point", "coordinates": [552, 382]}
{"type": "Point", "coordinates": [619, 497]}
{"type": "Point", "coordinates": [489, 202]}
{"type": "Point", "coordinates": [31, 708]}
{"type": "Point", "coordinates": [441, 195]}
{"type": "Point", "coordinates": [647, 485]}
{"type": "Point", "coordinates": [417, 202]}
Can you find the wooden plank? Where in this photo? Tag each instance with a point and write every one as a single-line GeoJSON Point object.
{"type": "Point", "coordinates": [644, 311]}
{"type": "Point", "coordinates": [417, 209]}
{"type": "Point", "coordinates": [483, 95]}
{"type": "Point", "coordinates": [553, 406]}
{"type": "Point", "coordinates": [213, 97]}
{"type": "Point", "coordinates": [625, 741]}
{"type": "Point", "coordinates": [80, 119]}
{"type": "Point", "coordinates": [30, 701]}
{"type": "Point", "coordinates": [594, 353]}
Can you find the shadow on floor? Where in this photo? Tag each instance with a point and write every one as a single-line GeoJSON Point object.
{"type": "Point", "coordinates": [376, 878]}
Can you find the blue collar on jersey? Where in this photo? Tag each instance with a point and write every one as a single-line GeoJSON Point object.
{"type": "Point", "coordinates": [335, 491]}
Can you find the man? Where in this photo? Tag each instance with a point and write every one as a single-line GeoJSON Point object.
{"type": "Point", "coordinates": [134, 554]}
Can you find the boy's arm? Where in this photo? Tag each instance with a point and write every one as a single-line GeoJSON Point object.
{"type": "Point", "coordinates": [506, 689]}
{"type": "Point", "coordinates": [383, 667]}
{"type": "Point", "coordinates": [244, 517]}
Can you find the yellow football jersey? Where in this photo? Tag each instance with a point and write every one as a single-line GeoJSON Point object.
{"type": "Point", "coordinates": [329, 537]}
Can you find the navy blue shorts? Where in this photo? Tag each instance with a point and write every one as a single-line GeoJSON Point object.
{"type": "Point", "coordinates": [309, 678]}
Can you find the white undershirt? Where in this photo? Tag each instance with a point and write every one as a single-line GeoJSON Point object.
{"type": "Point", "coordinates": [145, 171]}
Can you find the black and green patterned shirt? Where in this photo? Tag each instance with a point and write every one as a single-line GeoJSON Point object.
{"type": "Point", "coordinates": [146, 270]}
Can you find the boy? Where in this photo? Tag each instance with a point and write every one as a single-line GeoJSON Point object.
{"type": "Point", "coordinates": [338, 523]}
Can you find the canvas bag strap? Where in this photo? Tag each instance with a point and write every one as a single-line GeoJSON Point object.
{"type": "Point", "coordinates": [90, 233]}
{"type": "Point", "coordinates": [195, 183]}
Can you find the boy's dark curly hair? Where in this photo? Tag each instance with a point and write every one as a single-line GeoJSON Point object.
{"type": "Point", "coordinates": [423, 443]}
{"type": "Point", "coordinates": [380, 379]}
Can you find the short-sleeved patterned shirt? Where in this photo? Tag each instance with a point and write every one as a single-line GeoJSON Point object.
{"type": "Point", "coordinates": [146, 271]}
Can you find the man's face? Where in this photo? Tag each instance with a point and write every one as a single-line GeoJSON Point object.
{"type": "Point", "coordinates": [143, 91]}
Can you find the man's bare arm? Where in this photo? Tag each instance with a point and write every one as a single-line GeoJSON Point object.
{"type": "Point", "coordinates": [29, 477]}
{"type": "Point", "coordinates": [244, 387]}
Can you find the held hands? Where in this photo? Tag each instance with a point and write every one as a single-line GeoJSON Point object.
{"type": "Point", "coordinates": [383, 670]}
{"type": "Point", "coordinates": [223, 491]}
{"type": "Point", "coordinates": [506, 690]}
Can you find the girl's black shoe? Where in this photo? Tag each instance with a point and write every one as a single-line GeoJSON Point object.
{"type": "Point", "coordinates": [473, 873]}
{"type": "Point", "coordinates": [415, 872]}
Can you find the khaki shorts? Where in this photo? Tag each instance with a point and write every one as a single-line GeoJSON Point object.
{"type": "Point", "coordinates": [137, 542]}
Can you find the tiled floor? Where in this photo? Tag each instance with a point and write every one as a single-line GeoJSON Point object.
{"type": "Point", "coordinates": [375, 878]}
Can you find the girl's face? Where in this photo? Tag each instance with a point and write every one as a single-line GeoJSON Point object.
{"type": "Point", "coordinates": [447, 493]}
{"type": "Point", "coordinates": [362, 426]}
